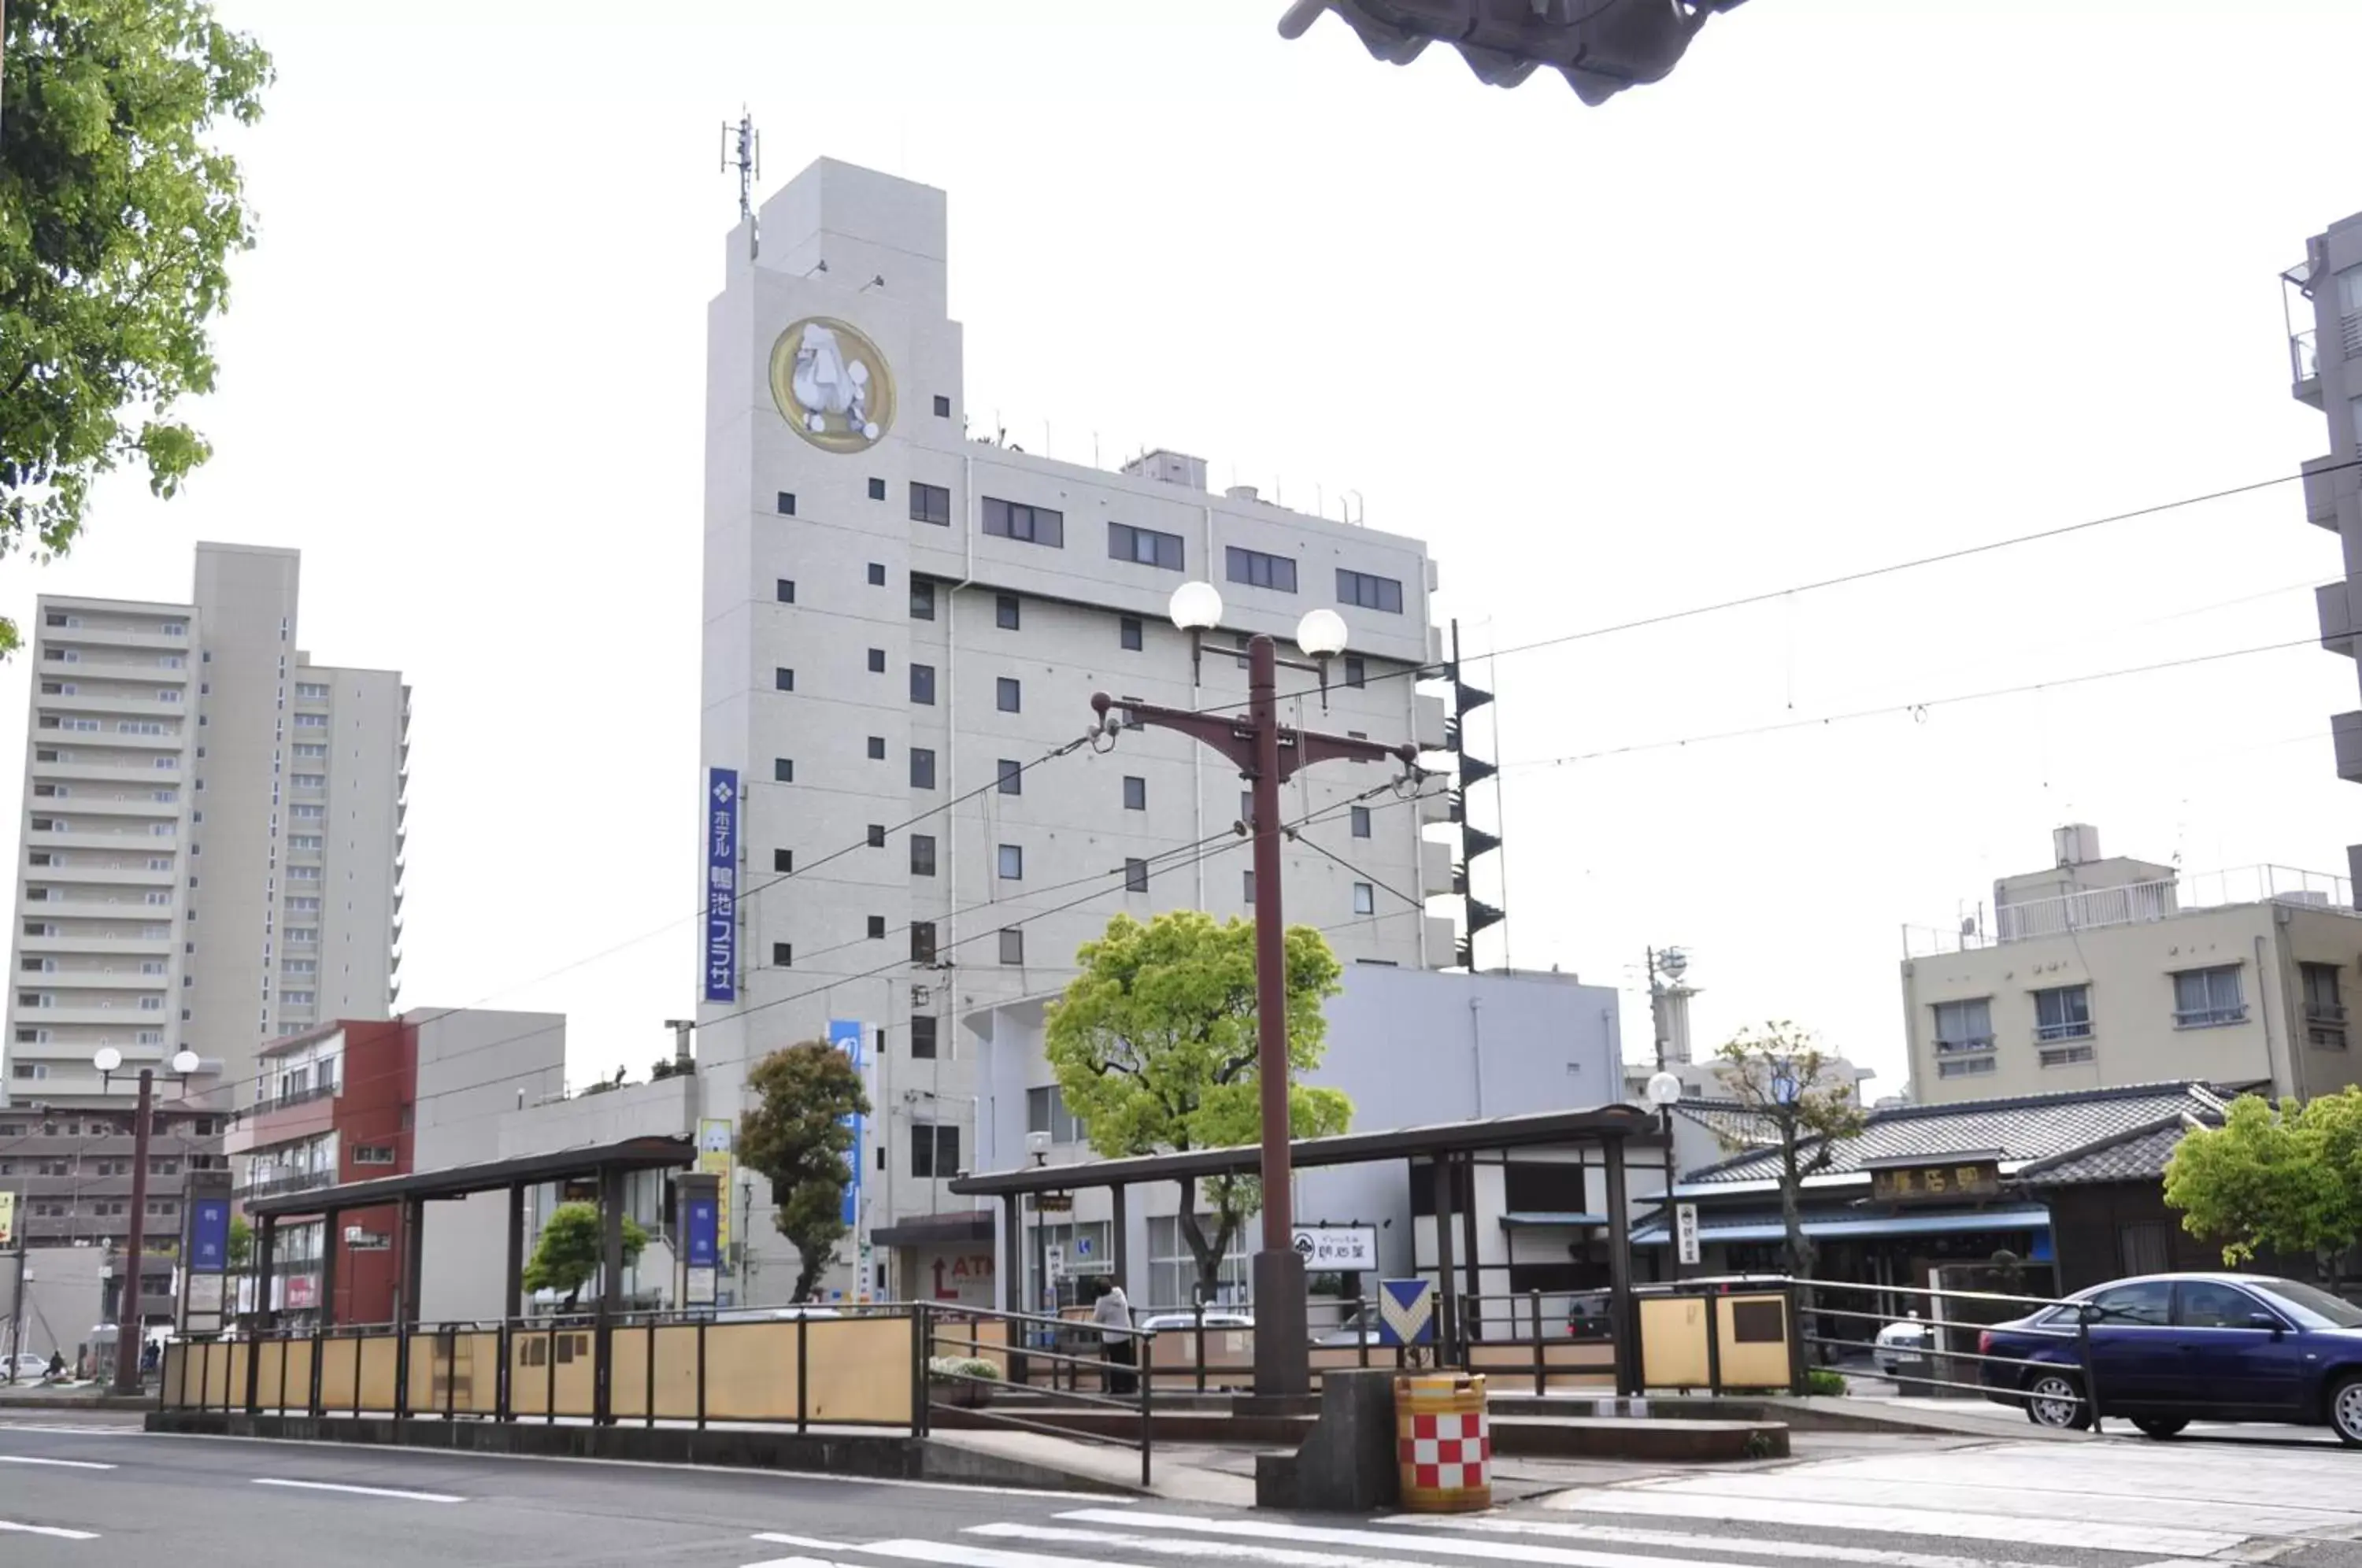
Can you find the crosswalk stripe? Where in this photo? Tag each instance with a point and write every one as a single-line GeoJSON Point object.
{"type": "Point", "coordinates": [773, 1538]}
{"type": "Point", "coordinates": [1228, 1550]}
{"type": "Point", "coordinates": [1498, 1551]}
{"type": "Point", "coordinates": [2160, 1540]}
{"type": "Point", "coordinates": [955, 1554]}
{"type": "Point", "coordinates": [52, 1530]}
{"type": "Point", "coordinates": [2076, 1495]}
{"type": "Point", "coordinates": [1619, 1535]}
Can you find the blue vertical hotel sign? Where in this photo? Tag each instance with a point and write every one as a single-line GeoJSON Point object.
{"type": "Point", "coordinates": [722, 885]}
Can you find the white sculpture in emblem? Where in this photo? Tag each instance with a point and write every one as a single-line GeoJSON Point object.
{"type": "Point", "coordinates": [827, 381]}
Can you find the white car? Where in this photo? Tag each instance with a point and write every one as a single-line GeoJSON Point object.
{"type": "Point", "coordinates": [25, 1367]}
{"type": "Point", "coordinates": [1902, 1349]}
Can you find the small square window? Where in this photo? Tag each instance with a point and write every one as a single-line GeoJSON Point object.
{"type": "Point", "coordinates": [1135, 876]}
{"type": "Point", "coordinates": [877, 928]}
{"type": "Point", "coordinates": [1012, 862]}
{"type": "Point", "coordinates": [1128, 634]}
{"type": "Point", "coordinates": [923, 767]}
{"type": "Point", "coordinates": [942, 406]}
{"type": "Point", "coordinates": [783, 860]}
{"type": "Point", "coordinates": [786, 503]}
{"type": "Point", "coordinates": [876, 748]}
{"type": "Point", "coordinates": [1135, 793]}
{"type": "Point", "coordinates": [876, 489]}
{"type": "Point", "coordinates": [876, 835]}
{"type": "Point", "coordinates": [787, 590]}
{"type": "Point", "coordinates": [1012, 945]}
{"type": "Point", "coordinates": [784, 679]}
{"type": "Point", "coordinates": [1005, 613]}
{"type": "Point", "coordinates": [1008, 695]}
{"type": "Point", "coordinates": [923, 854]}
{"type": "Point", "coordinates": [1012, 777]}
{"type": "Point", "coordinates": [1357, 673]}
{"type": "Point", "coordinates": [877, 574]}
{"type": "Point", "coordinates": [922, 685]}
{"type": "Point", "coordinates": [783, 770]}
{"type": "Point", "coordinates": [922, 599]}
{"type": "Point", "coordinates": [876, 661]}
{"type": "Point", "coordinates": [783, 954]}
{"type": "Point", "coordinates": [1361, 821]}
{"type": "Point", "coordinates": [1366, 898]}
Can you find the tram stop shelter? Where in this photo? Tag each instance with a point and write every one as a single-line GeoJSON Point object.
{"type": "Point", "coordinates": [1445, 1149]}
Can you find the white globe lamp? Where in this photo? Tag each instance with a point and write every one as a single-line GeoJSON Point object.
{"type": "Point", "coordinates": [1196, 607]}
{"type": "Point", "coordinates": [108, 1059]}
{"type": "Point", "coordinates": [1322, 634]}
{"type": "Point", "coordinates": [1664, 1091]}
{"type": "Point", "coordinates": [184, 1061]}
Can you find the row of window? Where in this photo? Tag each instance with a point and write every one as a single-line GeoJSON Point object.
{"type": "Point", "coordinates": [1044, 525]}
{"type": "Point", "coordinates": [159, 1124]}
{"type": "Point", "coordinates": [64, 1209]}
{"type": "Point", "coordinates": [67, 1165]}
{"type": "Point", "coordinates": [2211, 997]}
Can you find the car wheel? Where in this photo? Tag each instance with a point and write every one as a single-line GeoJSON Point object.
{"type": "Point", "coordinates": [2055, 1399]}
{"type": "Point", "coordinates": [2345, 1411]}
{"type": "Point", "coordinates": [2160, 1427]}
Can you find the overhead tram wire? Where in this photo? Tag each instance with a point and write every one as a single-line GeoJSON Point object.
{"type": "Point", "coordinates": [1765, 596]}
{"type": "Point", "coordinates": [1203, 849]}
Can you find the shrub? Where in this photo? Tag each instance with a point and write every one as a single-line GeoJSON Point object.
{"type": "Point", "coordinates": [964, 1367]}
{"type": "Point", "coordinates": [1821, 1380]}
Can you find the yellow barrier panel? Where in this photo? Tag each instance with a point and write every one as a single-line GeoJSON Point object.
{"type": "Point", "coordinates": [1754, 1331]}
{"type": "Point", "coordinates": [169, 1392]}
{"type": "Point", "coordinates": [339, 1361]}
{"type": "Point", "coordinates": [1673, 1342]}
{"type": "Point", "coordinates": [380, 1361]}
{"type": "Point", "coordinates": [677, 1372]}
{"type": "Point", "coordinates": [550, 1367]}
{"type": "Point", "coordinates": [750, 1371]}
{"type": "Point", "coordinates": [860, 1370]}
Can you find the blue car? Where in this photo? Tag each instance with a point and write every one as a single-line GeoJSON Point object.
{"type": "Point", "coordinates": [2171, 1349]}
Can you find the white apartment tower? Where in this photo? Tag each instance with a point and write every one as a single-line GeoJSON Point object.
{"type": "Point", "coordinates": [898, 615]}
{"type": "Point", "coordinates": [212, 833]}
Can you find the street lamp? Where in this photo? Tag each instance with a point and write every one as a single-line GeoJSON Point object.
{"type": "Point", "coordinates": [1266, 755]}
{"type": "Point", "coordinates": [109, 1061]}
{"type": "Point", "coordinates": [1664, 1093]}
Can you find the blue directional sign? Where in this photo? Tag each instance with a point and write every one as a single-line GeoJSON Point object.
{"type": "Point", "coordinates": [722, 884]}
{"type": "Point", "coordinates": [1405, 1311]}
{"type": "Point", "coordinates": [705, 1232]}
{"type": "Point", "coordinates": [844, 1033]}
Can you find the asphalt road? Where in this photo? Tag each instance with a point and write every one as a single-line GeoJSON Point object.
{"type": "Point", "coordinates": [92, 1492]}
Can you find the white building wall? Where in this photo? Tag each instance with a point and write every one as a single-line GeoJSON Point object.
{"type": "Point", "coordinates": [853, 548]}
{"type": "Point", "coordinates": [475, 1066]}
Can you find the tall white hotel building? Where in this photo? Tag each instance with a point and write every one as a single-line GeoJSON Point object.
{"type": "Point", "coordinates": [896, 613]}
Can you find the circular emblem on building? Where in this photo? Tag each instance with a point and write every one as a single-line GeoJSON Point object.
{"type": "Point", "coordinates": [831, 384]}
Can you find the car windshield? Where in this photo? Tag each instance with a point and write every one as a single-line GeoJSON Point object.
{"type": "Point", "coordinates": [2311, 1300]}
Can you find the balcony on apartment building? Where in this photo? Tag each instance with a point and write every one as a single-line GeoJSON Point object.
{"type": "Point", "coordinates": [2135, 903]}
{"type": "Point", "coordinates": [289, 1116]}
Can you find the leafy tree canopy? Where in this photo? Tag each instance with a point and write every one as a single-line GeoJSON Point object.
{"type": "Point", "coordinates": [567, 1256]}
{"type": "Point", "coordinates": [799, 1137]}
{"type": "Point", "coordinates": [1154, 1048]}
{"type": "Point", "coordinates": [117, 219]}
{"type": "Point", "coordinates": [1781, 1073]}
{"type": "Point", "coordinates": [2284, 1178]}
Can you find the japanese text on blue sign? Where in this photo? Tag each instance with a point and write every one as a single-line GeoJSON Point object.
{"type": "Point", "coordinates": [844, 1033]}
{"type": "Point", "coordinates": [722, 885]}
{"type": "Point", "coordinates": [704, 1229]}
{"type": "Point", "coordinates": [209, 1236]}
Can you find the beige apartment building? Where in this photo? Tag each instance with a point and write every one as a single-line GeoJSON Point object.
{"type": "Point", "coordinates": [212, 837]}
{"type": "Point", "coordinates": [2099, 972]}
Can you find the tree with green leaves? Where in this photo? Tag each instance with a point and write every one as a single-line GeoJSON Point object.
{"type": "Point", "coordinates": [118, 219]}
{"type": "Point", "coordinates": [1781, 1075]}
{"type": "Point", "coordinates": [799, 1134]}
{"type": "Point", "coordinates": [1155, 1048]}
{"type": "Point", "coordinates": [567, 1257]}
{"type": "Point", "coordinates": [2284, 1178]}
{"type": "Point", "coordinates": [241, 1242]}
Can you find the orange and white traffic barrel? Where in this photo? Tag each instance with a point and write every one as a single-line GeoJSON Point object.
{"type": "Point", "coordinates": [1445, 1443]}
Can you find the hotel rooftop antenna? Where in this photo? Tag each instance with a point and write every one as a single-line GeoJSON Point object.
{"type": "Point", "coordinates": [742, 148]}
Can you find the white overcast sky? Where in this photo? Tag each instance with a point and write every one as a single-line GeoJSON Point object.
{"type": "Point", "coordinates": [1862, 282]}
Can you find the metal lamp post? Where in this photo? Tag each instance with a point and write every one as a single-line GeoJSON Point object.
{"type": "Point", "coordinates": [1267, 755]}
{"type": "Point", "coordinates": [1664, 1093]}
{"type": "Point", "coordinates": [129, 1334]}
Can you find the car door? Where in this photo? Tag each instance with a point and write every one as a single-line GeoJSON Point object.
{"type": "Point", "coordinates": [2135, 1356]}
{"type": "Point", "coordinates": [2230, 1368]}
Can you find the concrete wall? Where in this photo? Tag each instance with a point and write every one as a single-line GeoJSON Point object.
{"type": "Point", "coordinates": [65, 1291]}
{"type": "Point", "coordinates": [473, 1066]}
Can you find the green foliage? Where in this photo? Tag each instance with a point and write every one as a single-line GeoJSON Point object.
{"type": "Point", "coordinates": [1154, 1048]}
{"type": "Point", "coordinates": [797, 1136]}
{"type": "Point", "coordinates": [1780, 1074]}
{"type": "Point", "coordinates": [116, 223]}
{"type": "Point", "coordinates": [2274, 1180]}
{"type": "Point", "coordinates": [241, 1241]}
{"type": "Point", "coordinates": [962, 1366]}
{"type": "Point", "coordinates": [567, 1256]}
{"type": "Point", "coordinates": [1821, 1380]}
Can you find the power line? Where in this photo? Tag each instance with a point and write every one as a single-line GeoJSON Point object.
{"type": "Point", "coordinates": [1429, 671]}
{"type": "Point", "coordinates": [1914, 708]}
